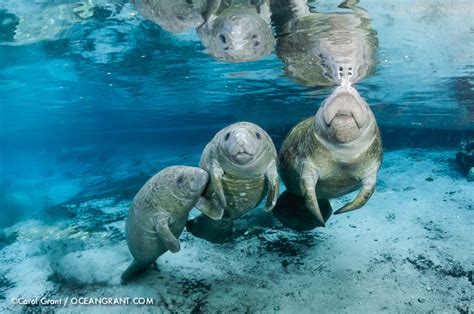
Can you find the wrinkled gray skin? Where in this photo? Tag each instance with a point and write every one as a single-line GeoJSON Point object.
{"type": "Point", "coordinates": [337, 151]}
{"type": "Point", "coordinates": [177, 16]}
{"type": "Point", "coordinates": [241, 162]}
{"type": "Point", "coordinates": [240, 31]}
{"type": "Point", "coordinates": [324, 49]}
{"type": "Point", "coordinates": [159, 212]}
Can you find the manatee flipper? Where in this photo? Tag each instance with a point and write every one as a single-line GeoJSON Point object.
{"type": "Point", "coordinates": [273, 183]}
{"type": "Point", "coordinates": [161, 223]}
{"type": "Point", "coordinates": [348, 4]}
{"type": "Point", "coordinates": [135, 268]}
{"type": "Point", "coordinates": [368, 188]}
{"type": "Point", "coordinates": [309, 178]}
{"type": "Point", "coordinates": [216, 180]}
{"type": "Point", "coordinates": [209, 208]}
{"type": "Point", "coordinates": [216, 231]}
{"type": "Point", "coordinates": [291, 211]}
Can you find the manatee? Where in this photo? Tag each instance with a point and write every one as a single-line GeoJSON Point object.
{"type": "Point", "coordinates": [336, 152]}
{"type": "Point", "coordinates": [324, 49]}
{"type": "Point", "coordinates": [159, 212]}
{"type": "Point", "coordinates": [177, 16]}
{"type": "Point", "coordinates": [241, 162]}
{"type": "Point", "coordinates": [465, 157]}
{"type": "Point", "coordinates": [240, 31]}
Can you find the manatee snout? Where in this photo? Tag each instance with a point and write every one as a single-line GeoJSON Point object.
{"type": "Point", "coordinates": [241, 144]}
{"type": "Point", "coordinates": [345, 114]}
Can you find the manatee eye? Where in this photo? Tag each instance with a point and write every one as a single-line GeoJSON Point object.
{"type": "Point", "coordinates": [258, 135]}
{"type": "Point", "coordinates": [180, 179]}
{"type": "Point", "coordinates": [227, 136]}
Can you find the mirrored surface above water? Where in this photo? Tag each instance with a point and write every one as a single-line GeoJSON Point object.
{"type": "Point", "coordinates": [100, 62]}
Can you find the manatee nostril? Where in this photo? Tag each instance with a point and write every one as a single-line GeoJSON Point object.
{"type": "Point", "coordinates": [222, 39]}
{"type": "Point", "coordinates": [227, 137]}
{"type": "Point", "coordinates": [258, 135]}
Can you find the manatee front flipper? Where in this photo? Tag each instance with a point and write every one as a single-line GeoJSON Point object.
{"type": "Point", "coordinates": [216, 231]}
{"type": "Point", "coordinates": [368, 188]}
{"type": "Point", "coordinates": [309, 178]}
{"type": "Point", "coordinates": [161, 222]}
{"type": "Point", "coordinates": [209, 208]}
{"type": "Point", "coordinates": [134, 269]}
{"type": "Point", "coordinates": [291, 211]}
{"type": "Point", "coordinates": [348, 4]}
{"type": "Point", "coordinates": [271, 177]}
{"type": "Point", "coordinates": [216, 180]}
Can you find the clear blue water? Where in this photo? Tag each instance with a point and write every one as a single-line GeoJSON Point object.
{"type": "Point", "coordinates": [107, 95]}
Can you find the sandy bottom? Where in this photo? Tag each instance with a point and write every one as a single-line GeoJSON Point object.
{"type": "Point", "coordinates": [410, 249]}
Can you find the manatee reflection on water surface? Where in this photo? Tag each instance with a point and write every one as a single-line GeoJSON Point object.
{"type": "Point", "coordinates": [321, 49]}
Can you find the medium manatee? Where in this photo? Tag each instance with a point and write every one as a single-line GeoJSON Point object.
{"type": "Point", "coordinates": [324, 49]}
{"type": "Point", "coordinates": [240, 31]}
{"type": "Point", "coordinates": [177, 16]}
{"type": "Point", "coordinates": [159, 212]}
{"type": "Point", "coordinates": [330, 155]}
{"type": "Point", "coordinates": [241, 162]}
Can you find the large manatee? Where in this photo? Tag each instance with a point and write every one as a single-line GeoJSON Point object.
{"type": "Point", "coordinates": [336, 152]}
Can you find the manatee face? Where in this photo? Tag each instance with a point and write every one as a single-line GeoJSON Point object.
{"type": "Point", "coordinates": [175, 16]}
{"type": "Point", "coordinates": [344, 114]}
{"type": "Point", "coordinates": [238, 36]}
{"type": "Point", "coordinates": [241, 143]}
{"type": "Point", "coordinates": [188, 181]}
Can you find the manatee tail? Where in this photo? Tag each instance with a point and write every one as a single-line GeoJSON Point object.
{"type": "Point", "coordinates": [291, 211]}
{"type": "Point", "coordinates": [215, 231]}
{"type": "Point", "coordinates": [133, 270]}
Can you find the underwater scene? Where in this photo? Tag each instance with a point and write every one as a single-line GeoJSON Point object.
{"type": "Point", "coordinates": [236, 156]}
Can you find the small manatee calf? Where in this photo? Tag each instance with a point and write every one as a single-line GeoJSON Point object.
{"type": "Point", "coordinates": [329, 155]}
{"type": "Point", "coordinates": [241, 162]}
{"type": "Point", "coordinates": [159, 213]}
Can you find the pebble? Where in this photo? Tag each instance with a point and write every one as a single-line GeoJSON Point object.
{"type": "Point", "coordinates": [428, 288]}
{"type": "Point", "coordinates": [421, 300]}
